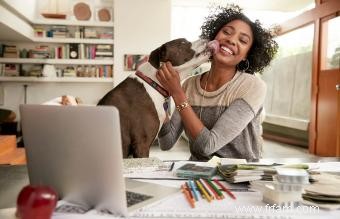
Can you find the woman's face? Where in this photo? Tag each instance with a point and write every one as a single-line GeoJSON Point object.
{"type": "Point", "coordinates": [235, 40]}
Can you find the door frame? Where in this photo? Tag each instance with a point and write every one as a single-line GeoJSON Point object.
{"type": "Point", "coordinates": [322, 9]}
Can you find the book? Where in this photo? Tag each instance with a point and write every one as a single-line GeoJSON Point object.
{"type": "Point", "coordinates": [193, 171]}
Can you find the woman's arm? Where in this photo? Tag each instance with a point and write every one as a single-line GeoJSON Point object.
{"type": "Point", "coordinates": [170, 132]}
{"type": "Point", "coordinates": [169, 79]}
{"type": "Point", "coordinates": [228, 126]}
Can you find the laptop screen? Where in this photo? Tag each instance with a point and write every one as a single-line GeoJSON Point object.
{"type": "Point", "coordinates": [77, 151]}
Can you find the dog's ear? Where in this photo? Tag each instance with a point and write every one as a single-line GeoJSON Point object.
{"type": "Point", "coordinates": [154, 58]}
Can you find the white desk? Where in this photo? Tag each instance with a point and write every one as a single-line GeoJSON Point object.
{"type": "Point", "coordinates": [247, 205]}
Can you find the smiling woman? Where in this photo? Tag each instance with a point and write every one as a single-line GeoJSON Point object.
{"type": "Point", "coordinates": [224, 106]}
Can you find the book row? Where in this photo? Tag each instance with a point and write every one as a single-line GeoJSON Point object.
{"type": "Point", "coordinates": [37, 70]}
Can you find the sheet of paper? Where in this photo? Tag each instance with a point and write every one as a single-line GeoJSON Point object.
{"type": "Point", "coordinates": [151, 175]}
{"type": "Point", "coordinates": [325, 167]}
{"type": "Point", "coordinates": [223, 161]}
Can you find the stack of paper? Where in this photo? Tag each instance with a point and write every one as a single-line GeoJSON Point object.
{"type": "Point", "coordinates": [324, 192]}
{"type": "Point", "coordinates": [244, 173]}
{"type": "Point", "coordinates": [252, 171]}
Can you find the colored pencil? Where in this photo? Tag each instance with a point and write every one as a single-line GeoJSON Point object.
{"type": "Point", "coordinates": [225, 189]}
{"type": "Point", "coordinates": [207, 197]}
{"type": "Point", "coordinates": [207, 188]}
{"type": "Point", "coordinates": [216, 191]}
{"type": "Point", "coordinates": [194, 189]}
{"type": "Point", "coordinates": [199, 191]}
{"type": "Point", "coordinates": [186, 186]}
{"type": "Point", "coordinates": [187, 196]}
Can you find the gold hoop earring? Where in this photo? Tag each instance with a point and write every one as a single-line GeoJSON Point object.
{"type": "Point", "coordinates": [247, 63]}
{"type": "Point", "coordinates": [241, 65]}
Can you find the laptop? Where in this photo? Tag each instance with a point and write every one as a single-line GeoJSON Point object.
{"type": "Point", "coordinates": [77, 150]}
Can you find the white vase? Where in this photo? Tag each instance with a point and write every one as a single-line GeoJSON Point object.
{"type": "Point", "coordinates": [49, 71]}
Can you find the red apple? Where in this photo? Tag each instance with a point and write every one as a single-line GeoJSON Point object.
{"type": "Point", "coordinates": [36, 202]}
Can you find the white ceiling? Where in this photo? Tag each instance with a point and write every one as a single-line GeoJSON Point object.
{"type": "Point", "coordinates": [273, 5]}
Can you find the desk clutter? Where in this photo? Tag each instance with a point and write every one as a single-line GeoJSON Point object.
{"type": "Point", "coordinates": [285, 185]}
{"type": "Point", "coordinates": [204, 193]}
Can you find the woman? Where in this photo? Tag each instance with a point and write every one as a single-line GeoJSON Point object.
{"type": "Point", "coordinates": [220, 110]}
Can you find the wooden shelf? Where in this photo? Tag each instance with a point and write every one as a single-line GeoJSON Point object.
{"type": "Point", "coordinates": [72, 40]}
{"type": "Point", "coordinates": [58, 61]}
{"type": "Point", "coordinates": [56, 79]}
{"type": "Point", "coordinates": [72, 23]}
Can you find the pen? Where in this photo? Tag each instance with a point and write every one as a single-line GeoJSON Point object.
{"type": "Point", "coordinates": [203, 191]}
{"type": "Point", "coordinates": [187, 196]}
{"type": "Point", "coordinates": [225, 189]}
{"type": "Point", "coordinates": [206, 188]}
{"type": "Point", "coordinates": [194, 189]}
{"type": "Point", "coordinates": [172, 166]}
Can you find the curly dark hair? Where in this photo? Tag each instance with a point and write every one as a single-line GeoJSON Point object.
{"type": "Point", "coordinates": [264, 47]}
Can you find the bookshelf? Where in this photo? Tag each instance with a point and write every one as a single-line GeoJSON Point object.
{"type": "Point", "coordinates": [135, 31]}
{"type": "Point", "coordinates": [38, 42]}
{"type": "Point", "coordinates": [72, 40]}
{"type": "Point", "coordinates": [57, 61]}
{"type": "Point", "coordinates": [72, 23]}
{"type": "Point", "coordinates": [64, 43]}
{"type": "Point", "coordinates": [56, 79]}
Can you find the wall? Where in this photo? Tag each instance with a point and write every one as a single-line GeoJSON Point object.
{"type": "Point", "coordinates": [39, 92]}
{"type": "Point", "coordinates": [288, 96]}
{"type": "Point", "coordinates": [10, 23]}
{"type": "Point", "coordinates": [27, 9]}
{"type": "Point", "coordinates": [139, 29]}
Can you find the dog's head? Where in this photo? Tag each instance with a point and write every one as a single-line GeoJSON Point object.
{"type": "Point", "coordinates": [177, 52]}
{"type": "Point", "coordinates": [183, 55]}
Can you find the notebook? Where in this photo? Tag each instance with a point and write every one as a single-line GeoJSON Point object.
{"type": "Point", "coordinates": [77, 150]}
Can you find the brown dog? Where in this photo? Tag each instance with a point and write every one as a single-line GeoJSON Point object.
{"type": "Point", "coordinates": [140, 98]}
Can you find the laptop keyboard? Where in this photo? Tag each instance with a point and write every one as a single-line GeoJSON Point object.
{"type": "Point", "coordinates": [135, 198]}
{"type": "Point", "coordinates": [131, 197]}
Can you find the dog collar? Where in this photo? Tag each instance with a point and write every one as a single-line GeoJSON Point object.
{"type": "Point", "coordinates": [153, 84]}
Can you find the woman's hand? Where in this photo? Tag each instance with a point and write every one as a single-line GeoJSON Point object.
{"type": "Point", "coordinates": [169, 79]}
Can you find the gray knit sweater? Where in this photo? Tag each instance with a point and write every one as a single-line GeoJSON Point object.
{"type": "Point", "coordinates": [231, 116]}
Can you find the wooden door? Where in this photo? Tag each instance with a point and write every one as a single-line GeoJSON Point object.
{"type": "Point", "coordinates": [328, 107]}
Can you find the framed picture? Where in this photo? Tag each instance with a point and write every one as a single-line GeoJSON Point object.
{"type": "Point", "coordinates": [131, 62]}
{"type": "Point", "coordinates": [104, 14]}
{"type": "Point", "coordinates": [83, 10]}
